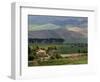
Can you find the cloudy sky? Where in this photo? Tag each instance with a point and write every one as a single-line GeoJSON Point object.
{"type": "Point", "coordinates": [38, 22]}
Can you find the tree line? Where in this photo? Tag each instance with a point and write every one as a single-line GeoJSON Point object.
{"type": "Point", "coordinates": [47, 40]}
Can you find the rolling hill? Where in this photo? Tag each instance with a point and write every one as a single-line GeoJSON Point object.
{"type": "Point", "coordinates": [70, 35]}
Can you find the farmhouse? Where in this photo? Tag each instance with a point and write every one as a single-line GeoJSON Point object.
{"type": "Point", "coordinates": [41, 54]}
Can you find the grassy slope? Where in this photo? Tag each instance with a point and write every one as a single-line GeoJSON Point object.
{"type": "Point", "coordinates": [63, 61]}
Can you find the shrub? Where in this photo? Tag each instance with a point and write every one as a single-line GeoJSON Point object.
{"type": "Point", "coordinates": [30, 57]}
{"type": "Point", "coordinates": [58, 56]}
{"type": "Point", "coordinates": [31, 53]}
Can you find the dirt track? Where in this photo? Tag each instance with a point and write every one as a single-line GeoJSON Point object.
{"type": "Point", "coordinates": [74, 54]}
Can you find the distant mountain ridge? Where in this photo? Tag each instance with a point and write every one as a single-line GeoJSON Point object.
{"type": "Point", "coordinates": [72, 35]}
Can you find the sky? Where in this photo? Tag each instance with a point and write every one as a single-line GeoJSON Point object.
{"type": "Point", "coordinates": [43, 22]}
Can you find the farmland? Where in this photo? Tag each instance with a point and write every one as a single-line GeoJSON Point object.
{"type": "Point", "coordinates": [57, 40]}
{"type": "Point", "coordinates": [64, 48]}
{"type": "Point", "coordinates": [63, 61]}
{"type": "Point", "coordinates": [67, 54]}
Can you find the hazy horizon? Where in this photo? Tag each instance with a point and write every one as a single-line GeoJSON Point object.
{"type": "Point", "coordinates": [42, 22]}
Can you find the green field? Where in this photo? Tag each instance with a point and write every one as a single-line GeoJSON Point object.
{"type": "Point", "coordinates": [63, 61]}
{"type": "Point", "coordinates": [64, 48]}
{"type": "Point", "coordinates": [68, 48]}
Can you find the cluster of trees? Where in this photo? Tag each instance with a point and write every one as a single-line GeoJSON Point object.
{"type": "Point", "coordinates": [32, 53]}
{"type": "Point", "coordinates": [51, 51]}
{"type": "Point", "coordinates": [47, 40]}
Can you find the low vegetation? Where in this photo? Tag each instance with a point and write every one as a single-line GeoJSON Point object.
{"type": "Point", "coordinates": [54, 53]}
